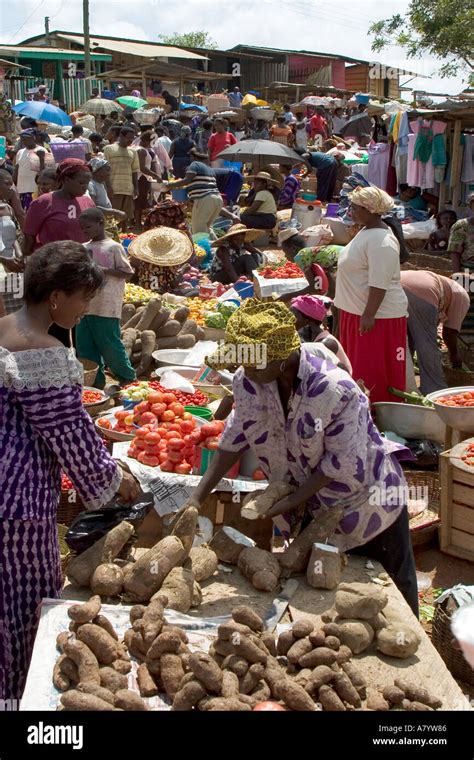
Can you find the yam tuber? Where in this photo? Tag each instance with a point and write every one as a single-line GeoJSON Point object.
{"type": "Point", "coordinates": [256, 504]}
{"type": "Point", "coordinates": [107, 580]}
{"type": "Point", "coordinates": [295, 558]}
{"type": "Point", "coordinates": [81, 568]}
{"type": "Point", "coordinates": [417, 693]}
{"type": "Point", "coordinates": [147, 574]}
{"type": "Point", "coordinates": [188, 696]}
{"type": "Point", "coordinates": [179, 587]}
{"type": "Point", "coordinates": [146, 683]}
{"type": "Point", "coordinates": [148, 346]}
{"type": "Point", "coordinates": [130, 701]}
{"type": "Point", "coordinates": [356, 634]}
{"type": "Point", "coordinates": [169, 329]}
{"type": "Point", "coordinates": [128, 310]}
{"type": "Point", "coordinates": [111, 680]}
{"type": "Point", "coordinates": [97, 691]}
{"type": "Point", "coordinates": [398, 640]}
{"type": "Point", "coordinates": [74, 700]}
{"type": "Point", "coordinates": [324, 566]}
{"type": "Point", "coordinates": [206, 671]}
{"type": "Point", "coordinates": [129, 336]}
{"type": "Point", "coordinates": [247, 616]}
{"type": "Point", "coordinates": [302, 628]}
{"type": "Point", "coordinates": [294, 696]}
{"type": "Point", "coordinates": [134, 320]}
{"type": "Point", "coordinates": [360, 600]}
{"type": "Point", "coordinates": [185, 341]}
{"type": "Point", "coordinates": [171, 673]}
{"type": "Point", "coordinates": [185, 528]}
{"type": "Point", "coordinates": [320, 676]}
{"type": "Point", "coordinates": [229, 543]}
{"type": "Point", "coordinates": [60, 680]}
{"type": "Point", "coordinates": [159, 320]}
{"type": "Point", "coordinates": [181, 314]}
{"type": "Point", "coordinates": [99, 642]}
{"type": "Point", "coordinates": [149, 313]}
{"type": "Point", "coordinates": [329, 700]}
{"type": "Point", "coordinates": [85, 660]}
{"type": "Point", "coordinates": [260, 567]}
{"type": "Point", "coordinates": [84, 613]}
{"type": "Point", "coordinates": [203, 562]}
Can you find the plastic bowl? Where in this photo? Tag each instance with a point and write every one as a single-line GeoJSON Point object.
{"type": "Point", "coordinates": [170, 357]}
{"type": "Point", "coordinates": [458, 418]}
{"type": "Point", "coordinates": [199, 411]}
{"type": "Point", "coordinates": [409, 421]}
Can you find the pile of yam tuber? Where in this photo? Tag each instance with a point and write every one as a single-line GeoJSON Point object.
{"type": "Point", "coordinates": [151, 327]}
{"type": "Point", "coordinates": [303, 669]}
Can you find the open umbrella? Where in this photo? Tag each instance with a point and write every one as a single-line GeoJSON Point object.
{"type": "Point", "coordinates": [130, 101]}
{"type": "Point", "coordinates": [100, 107]}
{"type": "Point", "coordinates": [260, 152]}
{"type": "Point", "coordinates": [42, 111]}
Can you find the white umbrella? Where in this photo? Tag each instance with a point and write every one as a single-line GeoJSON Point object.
{"type": "Point", "coordinates": [101, 107]}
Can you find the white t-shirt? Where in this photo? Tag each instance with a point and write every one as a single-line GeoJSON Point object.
{"type": "Point", "coordinates": [26, 180]}
{"type": "Point", "coordinates": [109, 254]}
{"type": "Point", "coordinates": [371, 259]}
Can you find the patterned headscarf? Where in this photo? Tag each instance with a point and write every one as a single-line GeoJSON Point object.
{"type": "Point", "coordinates": [256, 323]}
{"type": "Point", "coordinates": [311, 306]}
{"type": "Point", "coordinates": [97, 163]}
{"type": "Point", "coordinates": [69, 167]}
{"type": "Point", "coordinates": [373, 199]}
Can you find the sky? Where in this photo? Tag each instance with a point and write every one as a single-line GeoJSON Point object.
{"type": "Point", "coordinates": [337, 27]}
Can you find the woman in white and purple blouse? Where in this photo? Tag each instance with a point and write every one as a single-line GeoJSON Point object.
{"type": "Point", "coordinates": [309, 424]}
{"type": "Point", "coordinates": [44, 429]}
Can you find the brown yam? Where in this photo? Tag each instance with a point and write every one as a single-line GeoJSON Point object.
{"type": "Point", "coordinates": [97, 691]}
{"type": "Point", "coordinates": [319, 656]}
{"type": "Point", "coordinates": [415, 706]}
{"type": "Point", "coordinates": [134, 320]}
{"type": "Point", "coordinates": [357, 679]}
{"type": "Point", "coordinates": [295, 558]}
{"type": "Point", "coordinates": [294, 696]}
{"type": "Point", "coordinates": [286, 640]}
{"type": "Point", "coordinates": [231, 631]}
{"type": "Point", "coordinates": [99, 642]}
{"type": "Point", "coordinates": [260, 567]}
{"type": "Point", "coordinates": [107, 580]}
{"type": "Point", "coordinates": [69, 668]}
{"type": "Point", "coordinates": [203, 562]}
{"type": "Point", "coordinates": [137, 612]}
{"type": "Point", "coordinates": [230, 684]}
{"type": "Point", "coordinates": [302, 628]}
{"type": "Point", "coordinates": [332, 642]}
{"type": "Point", "coordinates": [317, 638]}
{"type": "Point", "coordinates": [329, 700]}
{"type": "Point", "coordinates": [248, 649]}
{"type": "Point", "coordinates": [128, 310]}
{"type": "Point", "coordinates": [130, 701]}
{"type": "Point", "coordinates": [360, 600]}
{"type": "Point", "coordinates": [146, 682]}
{"type": "Point", "coordinates": [185, 341]}
{"type": "Point", "coordinates": [122, 666]}
{"type": "Point", "coordinates": [85, 660]}
{"type": "Point", "coordinates": [171, 342]}
{"type": "Point", "coordinates": [298, 649]}
{"type": "Point", "coordinates": [60, 680]}
{"type": "Point", "coordinates": [149, 313]}
{"type": "Point", "coordinates": [324, 567]}
{"type": "Point", "coordinates": [134, 642]}
{"type": "Point", "coordinates": [189, 327]}
{"type": "Point", "coordinates": [148, 346]}
{"type": "Point", "coordinates": [247, 616]}
{"type": "Point", "coordinates": [179, 587]}
{"type": "Point", "coordinates": [167, 642]}
{"type": "Point", "coordinates": [181, 314]}
{"type": "Point", "coordinates": [375, 700]}
{"type": "Point", "coordinates": [84, 613]}
{"type": "Point", "coordinates": [343, 654]}
{"type": "Point", "coordinates": [398, 640]}
{"type": "Point", "coordinates": [74, 700]}
{"type": "Point", "coordinates": [219, 704]}
{"type": "Point", "coordinates": [159, 320]}
{"type": "Point", "coordinates": [347, 692]}
{"type": "Point", "coordinates": [331, 629]}
{"type": "Point", "coordinates": [320, 676]}
{"type": "Point", "coordinates": [169, 329]}
{"type": "Point", "coordinates": [81, 568]}
{"type": "Point", "coordinates": [171, 673]}
{"type": "Point", "coordinates": [111, 680]}
{"type": "Point", "coordinates": [129, 336]}
{"type": "Point", "coordinates": [188, 696]}
{"type": "Point", "coordinates": [393, 695]}
{"type": "Point", "coordinates": [61, 640]}
{"type": "Point", "coordinates": [417, 693]}
{"type": "Point", "coordinates": [228, 544]}
{"type": "Point", "coordinates": [269, 640]}
{"type": "Point", "coordinates": [356, 634]}
{"type": "Point", "coordinates": [206, 671]}
{"type": "Point", "coordinates": [236, 664]}
{"type": "Point", "coordinates": [104, 622]}
{"type": "Point", "coordinates": [147, 574]}
{"type": "Point", "coordinates": [185, 528]}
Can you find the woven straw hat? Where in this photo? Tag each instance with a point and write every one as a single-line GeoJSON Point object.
{"type": "Point", "coordinates": [266, 176]}
{"type": "Point", "coordinates": [238, 229]}
{"type": "Point", "coordinates": [162, 246]}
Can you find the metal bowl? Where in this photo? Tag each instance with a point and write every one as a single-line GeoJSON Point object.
{"type": "Point", "coordinates": [186, 372]}
{"type": "Point", "coordinates": [113, 435]}
{"type": "Point", "coordinates": [170, 357]}
{"type": "Point", "coordinates": [409, 421]}
{"type": "Point", "coordinates": [102, 400]}
{"type": "Point", "coordinates": [458, 418]}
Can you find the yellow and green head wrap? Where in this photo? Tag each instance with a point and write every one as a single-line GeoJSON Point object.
{"type": "Point", "coordinates": [257, 325]}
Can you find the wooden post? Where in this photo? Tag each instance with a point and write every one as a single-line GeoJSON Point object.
{"type": "Point", "coordinates": [87, 47]}
{"type": "Point", "coordinates": [456, 154]}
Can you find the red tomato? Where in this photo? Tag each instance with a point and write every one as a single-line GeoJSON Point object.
{"type": "Point", "coordinates": [187, 426]}
{"type": "Point", "coordinates": [168, 415]}
{"type": "Point", "coordinates": [158, 409]}
{"type": "Point", "coordinates": [167, 466]}
{"type": "Point", "coordinates": [152, 438]}
{"type": "Point", "coordinates": [220, 425]}
{"type": "Point", "coordinates": [155, 397]}
{"type": "Point", "coordinates": [208, 430]}
{"type": "Point", "coordinates": [163, 456]}
{"type": "Point", "coordinates": [143, 406]}
{"type": "Point", "coordinates": [145, 458]}
{"type": "Point", "coordinates": [212, 444]}
{"type": "Point", "coordinates": [176, 427]}
{"type": "Point", "coordinates": [258, 475]}
{"type": "Point", "coordinates": [183, 469]}
{"type": "Point", "coordinates": [121, 415]}
{"type": "Point", "coordinates": [132, 452]}
{"type": "Point", "coordinates": [187, 416]}
{"type": "Point", "coordinates": [140, 444]}
{"type": "Point", "coordinates": [142, 432]}
{"type": "Point", "coordinates": [177, 408]}
{"type": "Point", "coordinates": [103, 422]}
{"type": "Point", "coordinates": [169, 398]}
{"type": "Point", "coordinates": [148, 419]}
{"type": "Point", "coordinates": [175, 456]}
{"type": "Point", "coordinates": [269, 707]}
{"type": "Point", "coordinates": [177, 444]}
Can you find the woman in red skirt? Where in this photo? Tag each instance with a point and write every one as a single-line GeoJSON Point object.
{"type": "Point", "coordinates": [371, 300]}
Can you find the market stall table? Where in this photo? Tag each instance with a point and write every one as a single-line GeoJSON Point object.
{"type": "Point", "coordinates": [227, 589]}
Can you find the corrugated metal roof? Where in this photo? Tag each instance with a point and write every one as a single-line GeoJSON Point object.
{"type": "Point", "coordinates": [26, 51]}
{"type": "Point", "coordinates": [132, 47]}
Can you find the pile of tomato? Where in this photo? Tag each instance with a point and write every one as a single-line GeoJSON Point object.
{"type": "Point", "coordinates": [91, 397]}
{"type": "Point", "coordinates": [458, 399]}
{"type": "Point", "coordinates": [198, 398]}
{"type": "Point", "coordinates": [287, 271]}
{"type": "Point", "coordinates": [66, 483]}
{"type": "Point", "coordinates": [468, 456]}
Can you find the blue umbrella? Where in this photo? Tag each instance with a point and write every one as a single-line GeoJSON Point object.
{"type": "Point", "coordinates": [42, 111]}
{"type": "Point", "coordinates": [192, 107]}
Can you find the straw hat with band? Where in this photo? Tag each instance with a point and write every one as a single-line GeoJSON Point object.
{"type": "Point", "coordinates": [163, 246]}
{"type": "Point", "coordinates": [238, 229]}
{"type": "Point", "coordinates": [265, 176]}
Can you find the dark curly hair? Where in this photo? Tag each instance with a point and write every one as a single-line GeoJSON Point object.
{"type": "Point", "coordinates": [65, 266]}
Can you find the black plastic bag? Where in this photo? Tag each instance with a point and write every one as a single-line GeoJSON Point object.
{"type": "Point", "coordinates": [89, 527]}
{"type": "Point", "coordinates": [426, 454]}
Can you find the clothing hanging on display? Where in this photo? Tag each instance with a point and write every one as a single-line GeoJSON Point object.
{"type": "Point", "coordinates": [423, 147]}
{"type": "Point", "coordinates": [379, 158]}
{"type": "Point", "coordinates": [467, 170]}
{"type": "Point", "coordinates": [421, 173]}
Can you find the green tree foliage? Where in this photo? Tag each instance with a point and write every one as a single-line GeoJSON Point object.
{"type": "Point", "coordinates": [197, 39]}
{"type": "Point", "coordinates": [441, 28]}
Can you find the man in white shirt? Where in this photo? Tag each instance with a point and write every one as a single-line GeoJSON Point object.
{"type": "Point", "coordinates": [338, 121]}
{"type": "Point", "coordinates": [28, 166]}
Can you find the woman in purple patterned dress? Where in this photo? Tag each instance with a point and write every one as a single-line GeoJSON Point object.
{"type": "Point", "coordinates": [44, 429]}
{"type": "Point", "coordinates": [310, 425]}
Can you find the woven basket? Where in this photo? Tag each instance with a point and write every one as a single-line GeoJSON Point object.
{"type": "Point", "coordinates": [70, 505]}
{"type": "Point", "coordinates": [457, 377]}
{"type": "Point", "coordinates": [428, 261]}
{"type": "Point", "coordinates": [424, 528]}
{"type": "Point", "coordinates": [90, 371]}
{"type": "Point", "coordinates": [441, 638]}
